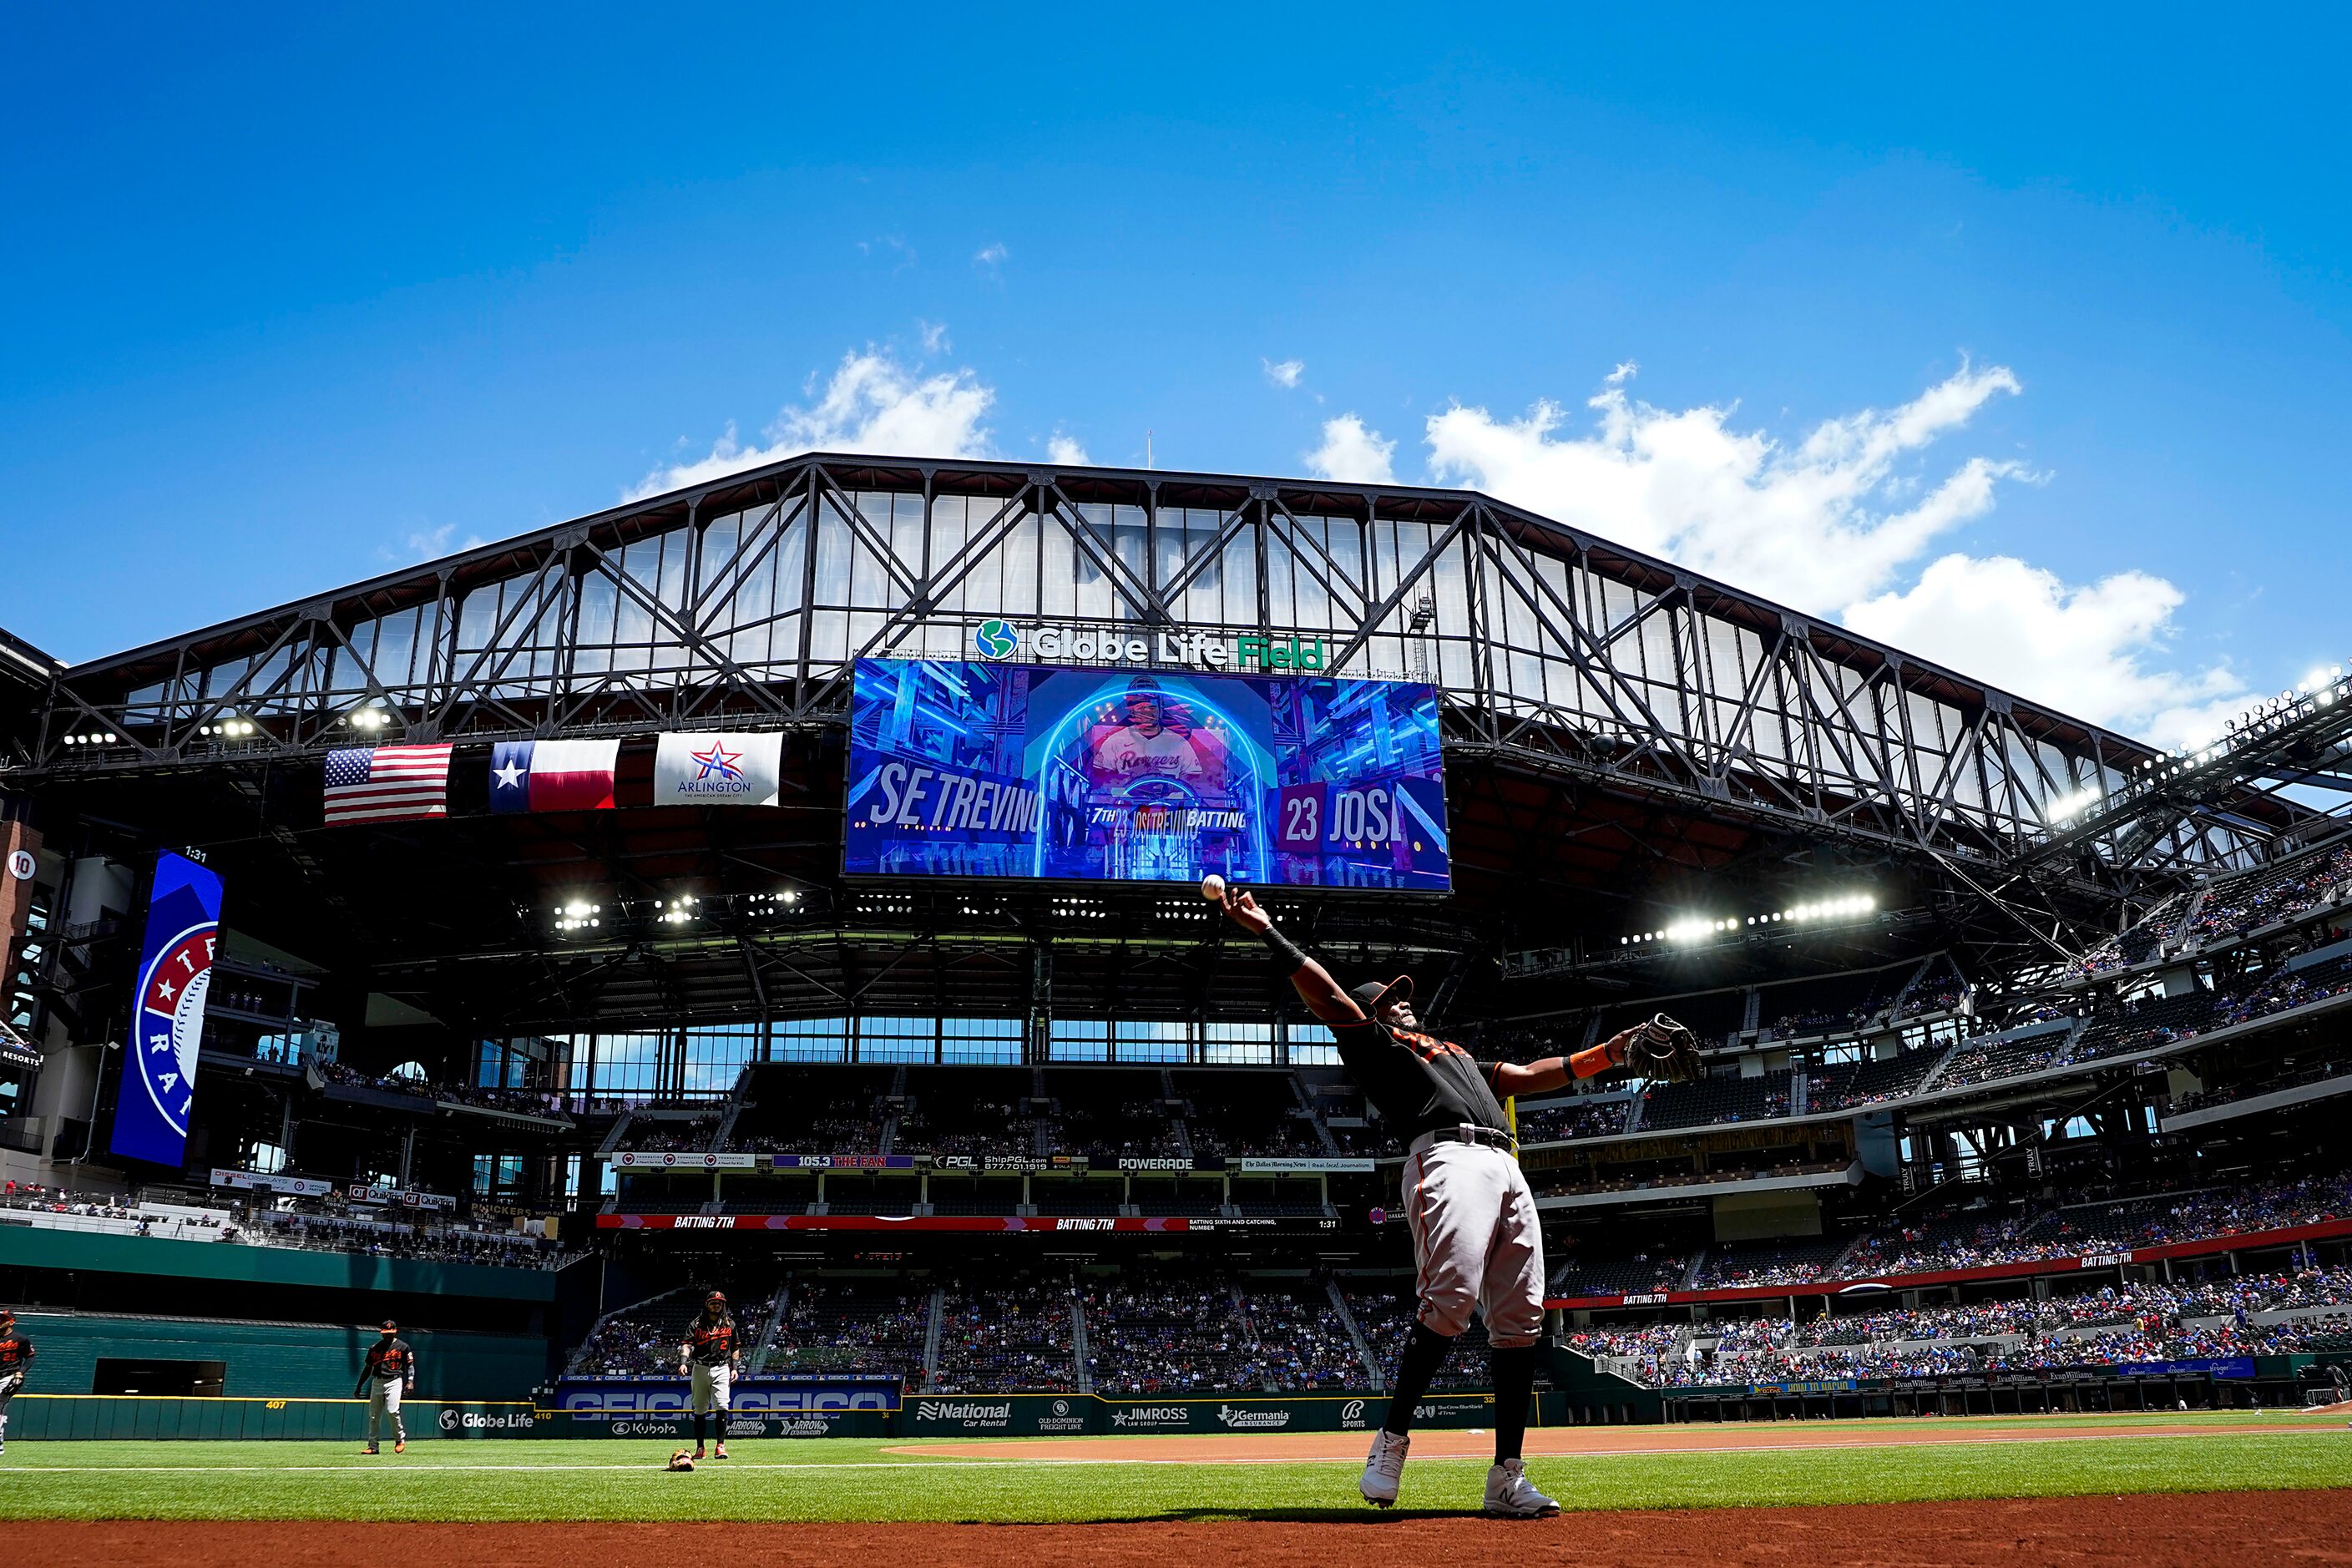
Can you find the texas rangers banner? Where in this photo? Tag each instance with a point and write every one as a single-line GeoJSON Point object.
{"type": "Point", "coordinates": [158, 1087]}
{"type": "Point", "coordinates": [553, 775]}
{"type": "Point", "coordinates": [719, 770]}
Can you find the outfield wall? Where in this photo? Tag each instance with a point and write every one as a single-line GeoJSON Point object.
{"type": "Point", "coordinates": [284, 1361]}
{"type": "Point", "coordinates": [117, 1418]}
{"type": "Point", "coordinates": [55, 1417]}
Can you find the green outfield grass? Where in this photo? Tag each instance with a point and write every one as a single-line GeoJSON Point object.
{"type": "Point", "coordinates": [862, 1480]}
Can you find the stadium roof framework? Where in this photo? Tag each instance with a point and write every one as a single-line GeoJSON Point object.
{"type": "Point", "coordinates": [1620, 735]}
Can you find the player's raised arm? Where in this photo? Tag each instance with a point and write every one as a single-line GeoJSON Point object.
{"type": "Point", "coordinates": [1313, 982]}
{"type": "Point", "coordinates": [1659, 1048]}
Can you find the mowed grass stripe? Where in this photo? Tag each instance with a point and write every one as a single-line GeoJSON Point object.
{"type": "Point", "coordinates": [858, 1486]}
{"type": "Point", "coordinates": [912, 1456]}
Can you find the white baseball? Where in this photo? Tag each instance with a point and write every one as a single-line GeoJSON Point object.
{"type": "Point", "coordinates": [1212, 888]}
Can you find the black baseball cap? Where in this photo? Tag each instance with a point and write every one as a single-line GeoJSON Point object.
{"type": "Point", "coordinates": [389, 1327]}
{"type": "Point", "coordinates": [1374, 995]}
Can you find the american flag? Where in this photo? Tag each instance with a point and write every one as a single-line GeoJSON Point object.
{"type": "Point", "coordinates": [387, 783]}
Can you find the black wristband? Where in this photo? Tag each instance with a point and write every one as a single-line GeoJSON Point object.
{"type": "Point", "coordinates": [1284, 949]}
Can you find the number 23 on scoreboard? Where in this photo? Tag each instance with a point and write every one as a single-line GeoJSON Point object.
{"type": "Point", "coordinates": [1313, 816]}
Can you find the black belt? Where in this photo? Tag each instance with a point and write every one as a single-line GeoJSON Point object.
{"type": "Point", "coordinates": [1468, 1135]}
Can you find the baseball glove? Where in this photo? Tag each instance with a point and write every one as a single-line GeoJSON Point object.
{"type": "Point", "coordinates": [1663, 1048]}
{"type": "Point", "coordinates": [680, 1459]}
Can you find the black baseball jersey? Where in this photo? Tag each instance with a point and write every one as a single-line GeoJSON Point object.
{"type": "Point", "coordinates": [16, 1354]}
{"type": "Point", "coordinates": [391, 1361]}
{"type": "Point", "coordinates": [1419, 1083]}
{"type": "Point", "coordinates": [712, 1343]}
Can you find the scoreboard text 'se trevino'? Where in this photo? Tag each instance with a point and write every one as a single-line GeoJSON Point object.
{"type": "Point", "coordinates": [1003, 770]}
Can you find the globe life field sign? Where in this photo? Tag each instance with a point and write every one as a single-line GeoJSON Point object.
{"type": "Point", "coordinates": [1137, 772]}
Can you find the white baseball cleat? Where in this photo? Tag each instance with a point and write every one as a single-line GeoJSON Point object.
{"type": "Point", "coordinates": [1384, 1468]}
{"type": "Point", "coordinates": [1510, 1495]}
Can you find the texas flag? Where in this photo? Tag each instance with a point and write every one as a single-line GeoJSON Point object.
{"type": "Point", "coordinates": [553, 776]}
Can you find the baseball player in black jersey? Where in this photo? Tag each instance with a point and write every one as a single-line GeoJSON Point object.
{"type": "Point", "coordinates": [16, 1361]}
{"type": "Point", "coordinates": [387, 1371]}
{"type": "Point", "coordinates": [1476, 1244]}
{"type": "Point", "coordinates": [712, 1354]}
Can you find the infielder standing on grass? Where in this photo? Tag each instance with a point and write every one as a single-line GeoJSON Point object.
{"type": "Point", "coordinates": [388, 1371]}
{"type": "Point", "coordinates": [710, 1349]}
{"type": "Point", "coordinates": [16, 1361]}
{"type": "Point", "coordinates": [1476, 1242]}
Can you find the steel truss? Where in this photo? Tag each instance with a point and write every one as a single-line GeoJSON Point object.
{"type": "Point", "coordinates": [745, 601]}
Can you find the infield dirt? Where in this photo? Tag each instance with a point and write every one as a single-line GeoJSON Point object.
{"type": "Point", "coordinates": [2182, 1530]}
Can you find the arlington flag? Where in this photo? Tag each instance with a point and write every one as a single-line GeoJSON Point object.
{"type": "Point", "coordinates": [718, 770]}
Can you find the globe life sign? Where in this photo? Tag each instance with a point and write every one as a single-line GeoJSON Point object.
{"type": "Point", "coordinates": [1257, 652]}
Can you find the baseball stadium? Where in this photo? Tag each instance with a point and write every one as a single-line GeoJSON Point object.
{"type": "Point", "coordinates": [698, 1028]}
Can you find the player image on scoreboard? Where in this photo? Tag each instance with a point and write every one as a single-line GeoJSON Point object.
{"type": "Point", "coordinates": [1155, 780]}
{"type": "Point", "coordinates": [1090, 775]}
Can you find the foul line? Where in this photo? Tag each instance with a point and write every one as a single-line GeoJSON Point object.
{"type": "Point", "coordinates": [952, 1461]}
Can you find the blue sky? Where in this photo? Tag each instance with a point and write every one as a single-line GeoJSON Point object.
{"type": "Point", "coordinates": [2019, 342]}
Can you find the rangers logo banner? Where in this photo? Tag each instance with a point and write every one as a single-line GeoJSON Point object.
{"type": "Point", "coordinates": [718, 770]}
{"type": "Point", "coordinates": [158, 1087]}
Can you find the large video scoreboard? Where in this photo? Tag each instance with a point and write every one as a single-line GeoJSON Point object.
{"type": "Point", "coordinates": [1092, 774]}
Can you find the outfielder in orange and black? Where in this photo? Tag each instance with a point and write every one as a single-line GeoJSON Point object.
{"type": "Point", "coordinates": [1476, 1244]}
{"type": "Point", "coordinates": [16, 1361]}
{"type": "Point", "coordinates": [387, 1371]}
{"type": "Point", "coordinates": [709, 1353]}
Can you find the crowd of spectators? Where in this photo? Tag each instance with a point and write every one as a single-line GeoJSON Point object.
{"type": "Point", "coordinates": [2231, 909]}
{"type": "Point", "coordinates": [2252, 902]}
{"type": "Point", "coordinates": [670, 1135]}
{"type": "Point", "coordinates": [1302, 1342]}
{"type": "Point", "coordinates": [877, 1327]}
{"type": "Point", "coordinates": [1168, 1335]}
{"type": "Point", "coordinates": [643, 1341]}
{"type": "Point", "coordinates": [2107, 1327]}
{"type": "Point", "coordinates": [2290, 1076]}
{"type": "Point", "coordinates": [1009, 1337]}
{"type": "Point", "coordinates": [978, 1129]}
{"type": "Point", "coordinates": [1579, 1118]}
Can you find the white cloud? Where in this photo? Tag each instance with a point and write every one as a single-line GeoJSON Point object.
{"type": "Point", "coordinates": [935, 337]}
{"type": "Point", "coordinates": [1816, 525]}
{"type": "Point", "coordinates": [873, 402]}
{"type": "Point", "coordinates": [429, 543]}
{"type": "Point", "coordinates": [991, 255]}
{"type": "Point", "coordinates": [1353, 452]}
{"type": "Point", "coordinates": [1283, 373]}
{"type": "Point", "coordinates": [1836, 523]}
{"type": "Point", "coordinates": [1063, 451]}
{"type": "Point", "coordinates": [2083, 648]}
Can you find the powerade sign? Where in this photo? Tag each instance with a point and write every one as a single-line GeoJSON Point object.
{"type": "Point", "coordinates": [768, 1396]}
{"type": "Point", "coordinates": [158, 1087]}
{"type": "Point", "coordinates": [1149, 775]}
